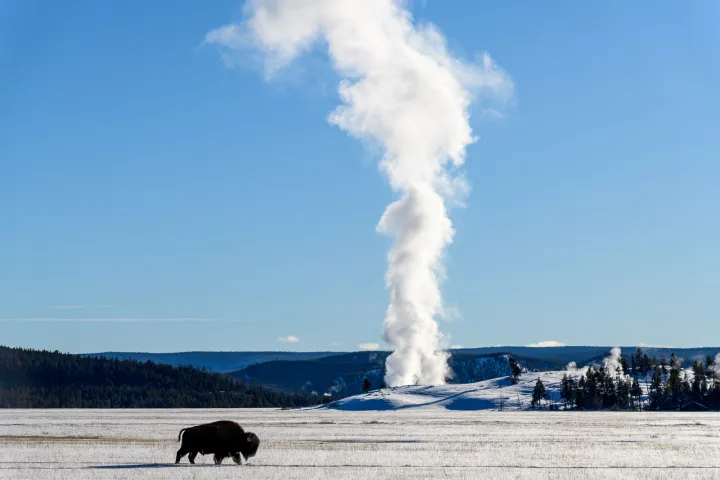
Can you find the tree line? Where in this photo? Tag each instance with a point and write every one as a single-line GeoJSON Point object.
{"type": "Point", "coordinates": [43, 379]}
{"type": "Point", "coordinates": [668, 386]}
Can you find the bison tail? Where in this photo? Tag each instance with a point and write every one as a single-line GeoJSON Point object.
{"type": "Point", "coordinates": [180, 433]}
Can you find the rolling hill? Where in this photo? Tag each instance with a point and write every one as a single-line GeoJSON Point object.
{"type": "Point", "coordinates": [218, 362]}
{"type": "Point", "coordinates": [343, 375]}
{"type": "Point", "coordinates": [223, 362]}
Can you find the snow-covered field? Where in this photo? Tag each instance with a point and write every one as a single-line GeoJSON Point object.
{"type": "Point", "coordinates": [327, 443]}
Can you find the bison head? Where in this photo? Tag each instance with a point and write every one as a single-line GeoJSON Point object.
{"type": "Point", "coordinates": [248, 448]}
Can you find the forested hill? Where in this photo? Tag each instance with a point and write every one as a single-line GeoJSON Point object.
{"type": "Point", "coordinates": [42, 379]}
{"type": "Point", "coordinates": [219, 362]}
{"type": "Point", "coordinates": [344, 375]}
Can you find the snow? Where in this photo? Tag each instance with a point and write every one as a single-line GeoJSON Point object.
{"type": "Point", "coordinates": [494, 394]}
{"type": "Point", "coordinates": [405, 443]}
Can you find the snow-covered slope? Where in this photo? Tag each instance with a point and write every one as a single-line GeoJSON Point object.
{"type": "Point", "coordinates": [488, 394]}
{"type": "Point", "coordinates": [495, 394]}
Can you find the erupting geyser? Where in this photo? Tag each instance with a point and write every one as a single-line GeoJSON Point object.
{"type": "Point", "coordinates": [402, 89]}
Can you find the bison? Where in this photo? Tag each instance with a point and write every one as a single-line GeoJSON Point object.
{"type": "Point", "coordinates": [223, 438]}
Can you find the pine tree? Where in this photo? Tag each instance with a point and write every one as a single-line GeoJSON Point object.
{"type": "Point", "coordinates": [366, 385]}
{"type": "Point", "coordinates": [538, 393]}
{"type": "Point", "coordinates": [685, 392]}
{"type": "Point", "coordinates": [593, 398]}
{"type": "Point", "coordinates": [568, 390]}
{"type": "Point", "coordinates": [710, 369]}
{"type": "Point", "coordinates": [644, 365]}
{"type": "Point", "coordinates": [698, 379]}
{"type": "Point", "coordinates": [704, 393]}
{"type": "Point", "coordinates": [580, 394]}
{"type": "Point", "coordinates": [675, 362]}
{"type": "Point", "coordinates": [674, 383]}
{"type": "Point", "coordinates": [714, 395]}
{"type": "Point", "coordinates": [655, 395]}
{"type": "Point", "coordinates": [564, 394]}
{"type": "Point", "coordinates": [636, 391]}
{"type": "Point", "coordinates": [623, 393]}
{"type": "Point", "coordinates": [515, 371]}
{"type": "Point", "coordinates": [639, 354]}
{"type": "Point", "coordinates": [624, 365]}
{"type": "Point", "coordinates": [610, 396]}
{"type": "Point", "coordinates": [573, 392]}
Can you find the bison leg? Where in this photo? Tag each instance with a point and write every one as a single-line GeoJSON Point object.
{"type": "Point", "coordinates": [237, 458]}
{"type": "Point", "coordinates": [218, 458]}
{"type": "Point", "coordinates": [180, 453]}
{"type": "Point", "coordinates": [192, 456]}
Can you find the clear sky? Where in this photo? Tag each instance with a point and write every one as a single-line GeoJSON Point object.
{"type": "Point", "coordinates": [143, 179]}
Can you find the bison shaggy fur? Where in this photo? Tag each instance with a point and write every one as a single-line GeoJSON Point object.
{"type": "Point", "coordinates": [223, 438]}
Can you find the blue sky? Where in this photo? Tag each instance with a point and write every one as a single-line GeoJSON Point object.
{"type": "Point", "coordinates": [142, 179]}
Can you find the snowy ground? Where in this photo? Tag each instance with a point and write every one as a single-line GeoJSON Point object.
{"type": "Point", "coordinates": [494, 394]}
{"type": "Point", "coordinates": [326, 443]}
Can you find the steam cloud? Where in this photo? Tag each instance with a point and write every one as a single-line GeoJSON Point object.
{"type": "Point", "coordinates": [403, 90]}
{"type": "Point", "coordinates": [612, 363]}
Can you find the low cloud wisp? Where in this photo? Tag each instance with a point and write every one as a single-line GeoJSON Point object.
{"type": "Point", "coordinates": [367, 347]}
{"type": "Point", "coordinates": [110, 320]}
{"type": "Point", "coordinates": [546, 343]}
{"type": "Point", "coordinates": [289, 339]}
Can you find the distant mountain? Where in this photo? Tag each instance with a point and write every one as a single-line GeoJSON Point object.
{"type": "Point", "coordinates": [224, 362]}
{"type": "Point", "coordinates": [218, 362]}
{"type": "Point", "coordinates": [343, 375]}
{"type": "Point", "coordinates": [578, 354]}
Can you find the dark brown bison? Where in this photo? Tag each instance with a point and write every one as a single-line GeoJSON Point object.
{"type": "Point", "coordinates": [223, 438]}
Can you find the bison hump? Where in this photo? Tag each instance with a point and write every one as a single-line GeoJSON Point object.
{"type": "Point", "coordinates": [229, 424]}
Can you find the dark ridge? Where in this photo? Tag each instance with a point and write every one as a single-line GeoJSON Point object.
{"type": "Point", "coordinates": [44, 379]}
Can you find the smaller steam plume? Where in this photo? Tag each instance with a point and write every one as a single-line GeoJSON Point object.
{"type": "Point", "coordinates": [612, 363]}
{"type": "Point", "coordinates": [574, 371]}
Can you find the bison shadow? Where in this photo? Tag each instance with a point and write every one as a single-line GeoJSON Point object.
{"type": "Point", "coordinates": [131, 466]}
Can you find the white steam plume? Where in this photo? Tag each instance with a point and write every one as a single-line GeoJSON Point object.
{"type": "Point", "coordinates": [402, 89]}
{"type": "Point", "coordinates": [574, 371]}
{"type": "Point", "coordinates": [612, 363]}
